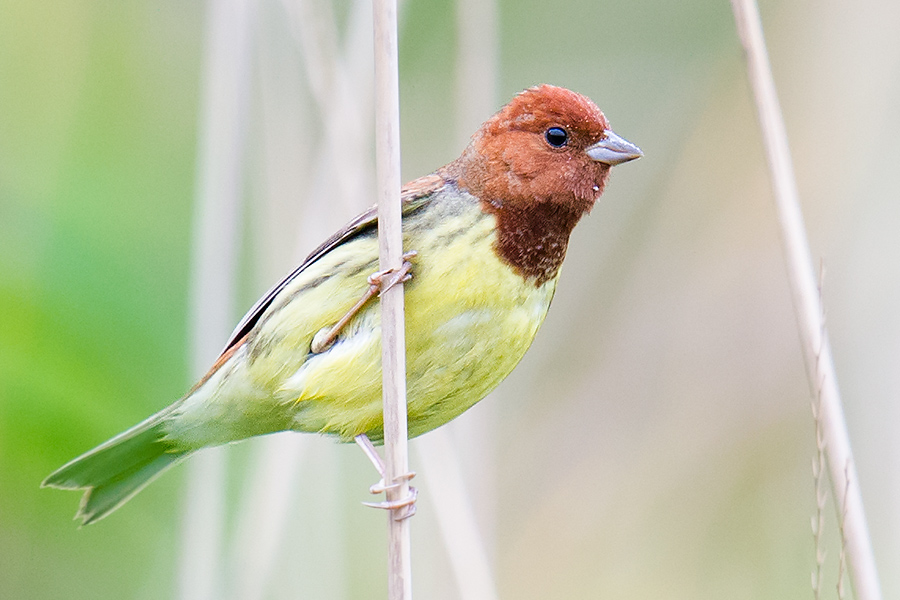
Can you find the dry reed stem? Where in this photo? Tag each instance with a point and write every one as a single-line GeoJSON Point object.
{"type": "Point", "coordinates": [818, 523]}
{"type": "Point", "coordinates": [262, 521]}
{"type": "Point", "coordinates": [842, 560]}
{"type": "Point", "coordinates": [390, 247]}
{"type": "Point", "coordinates": [450, 467]}
{"type": "Point", "coordinates": [477, 52]}
{"type": "Point", "coordinates": [455, 516]}
{"type": "Point", "coordinates": [807, 305]}
{"type": "Point", "coordinates": [338, 82]}
{"type": "Point", "coordinates": [477, 67]}
{"type": "Point", "coordinates": [223, 119]}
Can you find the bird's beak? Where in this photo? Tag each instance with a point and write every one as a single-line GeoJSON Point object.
{"type": "Point", "coordinates": [613, 150]}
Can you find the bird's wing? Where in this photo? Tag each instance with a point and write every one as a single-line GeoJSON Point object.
{"type": "Point", "coordinates": [413, 196]}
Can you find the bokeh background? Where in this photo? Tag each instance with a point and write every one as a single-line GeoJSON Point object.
{"type": "Point", "coordinates": [655, 443]}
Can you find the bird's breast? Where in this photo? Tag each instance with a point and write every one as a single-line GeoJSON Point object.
{"type": "Point", "coordinates": [470, 315]}
{"type": "Point", "coordinates": [469, 319]}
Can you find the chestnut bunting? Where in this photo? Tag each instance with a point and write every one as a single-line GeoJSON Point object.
{"type": "Point", "coordinates": [489, 231]}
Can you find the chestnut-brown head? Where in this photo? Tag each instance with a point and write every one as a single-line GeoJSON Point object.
{"type": "Point", "coordinates": [539, 164]}
{"type": "Point", "coordinates": [547, 144]}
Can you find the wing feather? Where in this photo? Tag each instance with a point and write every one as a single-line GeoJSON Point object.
{"type": "Point", "coordinates": [413, 196]}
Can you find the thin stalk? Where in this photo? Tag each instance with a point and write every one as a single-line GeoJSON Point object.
{"type": "Point", "coordinates": [390, 246]}
{"type": "Point", "coordinates": [455, 516]}
{"type": "Point", "coordinates": [477, 60]}
{"type": "Point", "coordinates": [477, 68]}
{"type": "Point", "coordinates": [262, 522]}
{"type": "Point", "coordinates": [807, 306]}
{"type": "Point", "coordinates": [215, 249]}
{"type": "Point", "coordinates": [452, 469]}
{"type": "Point", "coordinates": [335, 85]}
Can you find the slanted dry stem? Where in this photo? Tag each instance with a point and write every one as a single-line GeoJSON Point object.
{"type": "Point", "coordinates": [807, 306]}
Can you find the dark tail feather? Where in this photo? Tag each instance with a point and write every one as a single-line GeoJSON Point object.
{"type": "Point", "coordinates": [118, 469]}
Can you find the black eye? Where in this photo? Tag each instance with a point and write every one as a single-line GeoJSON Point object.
{"type": "Point", "coordinates": [557, 137]}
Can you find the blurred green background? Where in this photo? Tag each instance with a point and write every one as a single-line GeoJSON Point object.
{"type": "Point", "coordinates": [656, 441]}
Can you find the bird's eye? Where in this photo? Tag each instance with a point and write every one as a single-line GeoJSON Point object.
{"type": "Point", "coordinates": [557, 137]}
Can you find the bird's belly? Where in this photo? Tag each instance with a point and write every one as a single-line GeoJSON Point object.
{"type": "Point", "coordinates": [465, 358]}
{"type": "Point", "coordinates": [469, 320]}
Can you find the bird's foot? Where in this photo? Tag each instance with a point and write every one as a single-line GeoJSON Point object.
{"type": "Point", "coordinates": [396, 506]}
{"type": "Point", "coordinates": [402, 508]}
{"type": "Point", "coordinates": [382, 281]}
{"type": "Point", "coordinates": [379, 283]}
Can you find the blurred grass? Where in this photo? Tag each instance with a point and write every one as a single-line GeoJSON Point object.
{"type": "Point", "coordinates": [96, 177]}
{"type": "Point", "coordinates": [655, 442]}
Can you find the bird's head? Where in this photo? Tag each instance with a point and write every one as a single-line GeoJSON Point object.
{"type": "Point", "coordinates": [548, 144]}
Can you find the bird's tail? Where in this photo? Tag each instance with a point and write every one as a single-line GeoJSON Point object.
{"type": "Point", "coordinates": [119, 468]}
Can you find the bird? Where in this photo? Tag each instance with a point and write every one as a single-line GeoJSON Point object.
{"type": "Point", "coordinates": [486, 236]}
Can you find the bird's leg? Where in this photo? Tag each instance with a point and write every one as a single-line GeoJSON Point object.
{"type": "Point", "coordinates": [409, 503]}
{"type": "Point", "coordinates": [326, 336]}
{"type": "Point", "coordinates": [379, 283]}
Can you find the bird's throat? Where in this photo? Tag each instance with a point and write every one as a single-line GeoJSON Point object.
{"type": "Point", "coordinates": [532, 237]}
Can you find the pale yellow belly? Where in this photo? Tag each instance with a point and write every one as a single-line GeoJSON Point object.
{"type": "Point", "coordinates": [469, 320]}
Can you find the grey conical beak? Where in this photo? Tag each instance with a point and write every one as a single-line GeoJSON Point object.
{"type": "Point", "coordinates": [613, 150]}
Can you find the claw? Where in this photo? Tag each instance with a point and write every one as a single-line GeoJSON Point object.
{"type": "Point", "coordinates": [379, 488]}
{"type": "Point", "coordinates": [395, 505]}
{"type": "Point", "coordinates": [385, 280]}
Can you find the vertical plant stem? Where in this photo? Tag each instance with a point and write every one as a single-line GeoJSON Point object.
{"type": "Point", "coordinates": [215, 250]}
{"type": "Point", "coordinates": [451, 468]}
{"type": "Point", "coordinates": [390, 245]}
{"type": "Point", "coordinates": [262, 521]}
{"type": "Point", "coordinates": [807, 305]}
{"type": "Point", "coordinates": [477, 52]}
{"type": "Point", "coordinates": [455, 516]}
{"type": "Point", "coordinates": [842, 559]}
